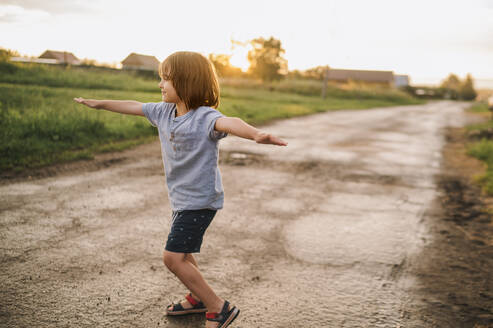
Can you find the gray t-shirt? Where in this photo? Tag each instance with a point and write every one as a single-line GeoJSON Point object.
{"type": "Point", "coordinates": [189, 146]}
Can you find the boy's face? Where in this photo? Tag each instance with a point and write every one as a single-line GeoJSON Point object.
{"type": "Point", "coordinates": [168, 92]}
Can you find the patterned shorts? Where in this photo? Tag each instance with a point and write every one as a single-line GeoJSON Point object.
{"type": "Point", "coordinates": [187, 230]}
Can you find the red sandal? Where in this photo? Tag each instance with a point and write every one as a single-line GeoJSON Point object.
{"type": "Point", "coordinates": [197, 307]}
{"type": "Point", "coordinates": [225, 317]}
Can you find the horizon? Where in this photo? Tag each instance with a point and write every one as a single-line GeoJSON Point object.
{"type": "Point", "coordinates": [487, 83]}
{"type": "Point", "coordinates": [382, 35]}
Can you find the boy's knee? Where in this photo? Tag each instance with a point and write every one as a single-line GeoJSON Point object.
{"type": "Point", "coordinates": [171, 260]}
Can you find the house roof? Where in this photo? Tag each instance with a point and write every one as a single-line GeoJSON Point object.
{"type": "Point", "coordinates": [61, 56]}
{"type": "Point", "coordinates": [361, 75]}
{"type": "Point", "coordinates": [141, 60]}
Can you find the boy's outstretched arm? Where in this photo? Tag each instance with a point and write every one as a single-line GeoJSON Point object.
{"type": "Point", "coordinates": [130, 107]}
{"type": "Point", "coordinates": [240, 128]}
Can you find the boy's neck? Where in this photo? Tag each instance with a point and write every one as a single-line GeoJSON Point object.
{"type": "Point", "coordinates": [181, 109]}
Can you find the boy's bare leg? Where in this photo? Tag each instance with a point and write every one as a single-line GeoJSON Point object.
{"type": "Point", "coordinates": [191, 277]}
{"type": "Point", "coordinates": [185, 303]}
{"type": "Point", "coordinates": [190, 258]}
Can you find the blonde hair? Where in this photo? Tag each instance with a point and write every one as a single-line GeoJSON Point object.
{"type": "Point", "coordinates": [194, 78]}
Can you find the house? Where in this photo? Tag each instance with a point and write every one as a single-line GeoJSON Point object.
{"type": "Point", "coordinates": [60, 57]}
{"type": "Point", "coordinates": [374, 77]}
{"type": "Point", "coordinates": [401, 80]}
{"type": "Point", "coordinates": [140, 62]}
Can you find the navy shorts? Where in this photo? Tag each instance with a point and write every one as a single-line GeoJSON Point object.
{"type": "Point", "coordinates": [187, 230]}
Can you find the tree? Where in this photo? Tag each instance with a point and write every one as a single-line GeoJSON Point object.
{"type": "Point", "coordinates": [295, 75]}
{"type": "Point", "coordinates": [223, 65]}
{"type": "Point", "coordinates": [6, 54]}
{"type": "Point", "coordinates": [455, 88]}
{"type": "Point", "coordinates": [467, 91]}
{"type": "Point", "coordinates": [316, 73]}
{"type": "Point", "coordinates": [452, 84]}
{"type": "Point", "coordinates": [7, 67]}
{"type": "Point", "coordinates": [266, 61]}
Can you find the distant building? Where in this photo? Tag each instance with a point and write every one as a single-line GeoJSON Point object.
{"type": "Point", "coordinates": [60, 57]}
{"type": "Point", "coordinates": [374, 77]}
{"type": "Point", "coordinates": [140, 62]}
{"type": "Point", "coordinates": [401, 80]}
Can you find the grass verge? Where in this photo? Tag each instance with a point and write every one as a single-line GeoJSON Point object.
{"type": "Point", "coordinates": [481, 146]}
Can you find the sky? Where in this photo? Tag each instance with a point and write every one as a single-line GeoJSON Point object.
{"type": "Point", "coordinates": [425, 39]}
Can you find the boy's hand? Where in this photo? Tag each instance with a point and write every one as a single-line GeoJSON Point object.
{"type": "Point", "coordinates": [265, 138]}
{"type": "Point", "coordinates": [129, 107]}
{"type": "Point", "coordinates": [88, 102]}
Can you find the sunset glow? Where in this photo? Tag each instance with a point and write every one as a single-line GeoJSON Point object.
{"type": "Point", "coordinates": [239, 58]}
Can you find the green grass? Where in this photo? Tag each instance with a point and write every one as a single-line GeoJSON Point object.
{"type": "Point", "coordinates": [40, 124]}
{"type": "Point", "coordinates": [483, 150]}
{"type": "Point", "coordinates": [479, 107]}
{"type": "Point", "coordinates": [480, 126]}
{"type": "Point", "coordinates": [314, 88]}
{"type": "Point", "coordinates": [75, 77]}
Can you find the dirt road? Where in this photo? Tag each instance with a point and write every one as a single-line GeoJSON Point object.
{"type": "Point", "coordinates": [327, 232]}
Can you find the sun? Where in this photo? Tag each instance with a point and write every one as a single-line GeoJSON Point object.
{"type": "Point", "coordinates": [239, 58]}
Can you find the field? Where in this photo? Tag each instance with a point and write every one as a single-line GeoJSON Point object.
{"type": "Point", "coordinates": [40, 124]}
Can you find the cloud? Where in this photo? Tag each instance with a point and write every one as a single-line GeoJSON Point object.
{"type": "Point", "coordinates": [52, 6]}
{"type": "Point", "coordinates": [15, 14]}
